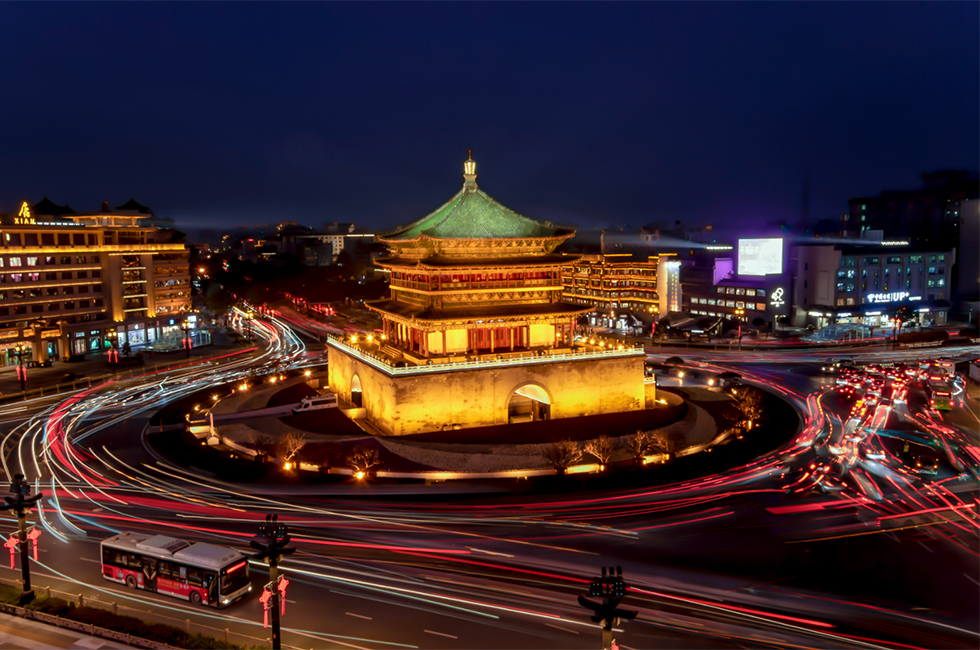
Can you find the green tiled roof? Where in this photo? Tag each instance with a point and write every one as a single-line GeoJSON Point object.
{"type": "Point", "coordinates": [473, 214]}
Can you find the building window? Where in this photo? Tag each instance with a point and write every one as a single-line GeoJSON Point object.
{"type": "Point", "coordinates": [16, 277]}
{"type": "Point", "coordinates": [31, 261]}
{"type": "Point", "coordinates": [66, 275]}
{"type": "Point", "coordinates": [52, 291]}
{"type": "Point", "coordinates": [33, 277]}
{"type": "Point", "coordinates": [80, 259]}
{"type": "Point", "coordinates": [14, 261]}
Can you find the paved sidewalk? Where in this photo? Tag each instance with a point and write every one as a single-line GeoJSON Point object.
{"type": "Point", "coordinates": [21, 634]}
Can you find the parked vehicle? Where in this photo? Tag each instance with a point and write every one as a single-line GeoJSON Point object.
{"type": "Point", "coordinates": [316, 403]}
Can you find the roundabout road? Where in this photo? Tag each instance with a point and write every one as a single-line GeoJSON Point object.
{"type": "Point", "coordinates": [769, 554]}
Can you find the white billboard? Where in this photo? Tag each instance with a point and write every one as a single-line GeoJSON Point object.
{"type": "Point", "coordinates": [760, 256]}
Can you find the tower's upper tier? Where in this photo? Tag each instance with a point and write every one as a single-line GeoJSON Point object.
{"type": "Point", "coordinates": [473, 223]}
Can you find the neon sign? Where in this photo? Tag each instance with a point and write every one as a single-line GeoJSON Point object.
{"type": "Point", "coordinates": [893, 296]}
{"type": "Point", "coordinates": [777, 299]}
{"type": "Point", "coordinates": [24, 217]}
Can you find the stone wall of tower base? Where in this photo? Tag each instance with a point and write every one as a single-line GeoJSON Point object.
{"type": "Point", "coordinates": [404, 405]}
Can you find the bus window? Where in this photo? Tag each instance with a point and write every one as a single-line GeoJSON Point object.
{"type": "Point", "coordinates": [234, 578]}
{"type": "Point", "coordinates": [194, 578]}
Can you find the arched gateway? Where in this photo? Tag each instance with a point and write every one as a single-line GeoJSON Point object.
{"type": "Point", "coordinates": [528, 403]}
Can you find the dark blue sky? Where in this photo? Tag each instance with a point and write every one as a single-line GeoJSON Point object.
{"type": "Point", "coordinates": [590, 114]}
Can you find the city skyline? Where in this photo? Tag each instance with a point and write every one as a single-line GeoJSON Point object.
{"type": "Point", "coordinates": [588, 115]}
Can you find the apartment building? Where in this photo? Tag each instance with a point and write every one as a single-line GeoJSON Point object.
{"type": "Point", "coordinates": [72, 281]}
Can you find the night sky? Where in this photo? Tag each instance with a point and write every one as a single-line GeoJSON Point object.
{"type": "Point", "coordinates": [594, 115]}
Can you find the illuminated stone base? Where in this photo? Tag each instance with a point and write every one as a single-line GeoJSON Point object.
{"type": "Point", "coordinates": [459, 398]}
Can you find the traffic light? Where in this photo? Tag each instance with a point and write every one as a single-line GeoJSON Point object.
{"type": "Point", "coordinates": [271, 540]}
{"type": "Point", "coordinates": [611, 589]}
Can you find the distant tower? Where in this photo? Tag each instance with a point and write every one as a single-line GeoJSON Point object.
{"type": "Point", "coordinates": [805, 214]}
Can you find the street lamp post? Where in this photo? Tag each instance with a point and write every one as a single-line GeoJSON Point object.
{"type": "Point", "coordinates": [271, 542]}
{"type": "Point", "coordinates": [186, 327]}
{"type": "Point", "coordinates": [21, 350]}
{"type": "Point", "coordinates": [738, 314]}
{"type": "Point", "coordinates": [113, 337]}
{"type": "Point", "coordinates": [21, 504]}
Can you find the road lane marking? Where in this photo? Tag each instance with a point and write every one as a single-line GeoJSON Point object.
{"type": "Point", "coordinates": [440, 634]}
{"type": "Point", "coordinates": [563, 629]}
{"type": "Point", "coordinates": [972, 579]}
{"type": "Point", "coordinates": [366, 618]}
{"type": "Point", "coordinates": [88, 559]}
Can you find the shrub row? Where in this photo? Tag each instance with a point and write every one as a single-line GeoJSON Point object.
{"type": "Point", "coordinates": [158, 632]}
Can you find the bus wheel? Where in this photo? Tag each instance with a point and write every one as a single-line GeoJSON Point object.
{"type": "Point", "coordinates": [195, 598]}
{"type": "Point", "coordinates": [131, 582]}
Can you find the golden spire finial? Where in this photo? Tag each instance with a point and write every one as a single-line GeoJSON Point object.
{"type": "Point", "coordinates": [469, 169]}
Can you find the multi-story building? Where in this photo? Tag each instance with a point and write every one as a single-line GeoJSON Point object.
{"type": "Point", "coordinates": [71, 281]}
{"type": "Point", "coordinates": [862, 283]}
{"type": "Point", "coordinates": [713, 286]}
{"type": "Point", "coordinates": [622, 288]}
{"type": "Point", "coordinates": [929, 216]}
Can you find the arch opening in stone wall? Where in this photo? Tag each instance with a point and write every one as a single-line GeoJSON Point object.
{"type": "Point", "coordinates": [356, 396]}
{"type": "Point", "coordinates": [528, 403]}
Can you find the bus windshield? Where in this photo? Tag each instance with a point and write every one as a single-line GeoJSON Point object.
{"type": "Point", "coordinates": [234, 578]}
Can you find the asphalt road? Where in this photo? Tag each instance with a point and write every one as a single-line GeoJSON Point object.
{"type": "Point", "coordinates": [770, 554]}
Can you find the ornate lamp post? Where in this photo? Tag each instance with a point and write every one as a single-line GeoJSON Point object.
{"type": "Point", "coordinates": [21, 350]}
{"type": "Point", "coordinates": [738, 315]}
{"type": "Point", "coordinates": [248, 319]}
{"type": "Point", "coordinates": [186, 327]}
{"type": "Point", "coordinates": [21, 504]}
{"type": "Point", "coordinates": [113, 337]}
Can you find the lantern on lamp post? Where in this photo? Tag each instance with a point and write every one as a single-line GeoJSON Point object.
{"type": "Point", "coordinates": [21, 350]}
{"type": "Point", "coordinates": [186, 327]}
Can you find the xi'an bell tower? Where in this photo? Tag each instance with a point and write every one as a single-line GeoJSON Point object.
{"type": "Point", "coordinates": [475, 332]}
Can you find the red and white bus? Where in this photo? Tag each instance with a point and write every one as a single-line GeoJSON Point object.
{"type": "Point", "coordinates": [201, 573]}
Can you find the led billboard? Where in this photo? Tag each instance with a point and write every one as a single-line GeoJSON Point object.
{"type": "Point", "coordinates": [760, 256]}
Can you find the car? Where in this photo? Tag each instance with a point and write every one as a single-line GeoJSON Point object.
{"type": "Point", "coordinates": [316, 403]}
{"type": "Point", "coordinates": [926, 464]}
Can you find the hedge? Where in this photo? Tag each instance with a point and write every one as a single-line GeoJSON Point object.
{"type": "Point", "coordinates": [131, 625]}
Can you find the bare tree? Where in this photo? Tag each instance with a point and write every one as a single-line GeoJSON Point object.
{"type": "Point", "coordinates": [563, 454]}
{"type": "Point", "coordinates": [750, 403]}
{"type": "Point", "coordinates": [291, 444]}
{"type": "Point", "coordinates": [600, 448]}
{"type": "Point", "coordinates": [639, 443]}
{"type": "Point", "coordinates": [361, 460]}
{"type": "Point", "coordinates": [256, 439]}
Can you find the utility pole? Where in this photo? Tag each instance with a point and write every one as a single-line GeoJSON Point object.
{"type": "Point", "coordinates": [21, 504]}
{"type": "Point", "coordinates": [271, 543]}
{"type": "Point", "coordinates": [611, 589]}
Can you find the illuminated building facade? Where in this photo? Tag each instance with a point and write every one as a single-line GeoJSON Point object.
{"type": "Point", "coordinates": [476, 331]}
{"type": "Point", "coordinates": [863, 283]}
{"type": "Point", "coordinates": [69, 279]}
{"type": "Point", "coordinates": [621, 288]}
